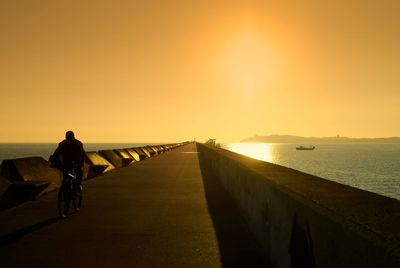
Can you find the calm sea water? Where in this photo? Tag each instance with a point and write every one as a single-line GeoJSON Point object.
{"type": "Point", "coordinates": [18, 150]}
{"type": "Point", "coordinates": [371, 167]}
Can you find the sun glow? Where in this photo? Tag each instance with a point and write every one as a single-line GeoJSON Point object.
{"type": "Point", "coordinates": [248, 62]}
{"type": "Point", "coordinates": [260, 151]}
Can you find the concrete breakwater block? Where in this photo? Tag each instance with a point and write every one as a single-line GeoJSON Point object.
{"type": "Point", "coordinates": [22, 191]}
{"type": "Point", "coordinates": [91, 171]}
{"type": "Point", "coordinates": [115, 159]}
{"type": "Point", "coordinates": [162, 148]}
{"type": "Point", "coordinates": [141, 151]}
{"type": "Point", "coordinates": [134, 154]}
{"type": "Point", "coordinates": [7, 198]}
{"type": "Point", "coordinates": [166, 147]}
{"type": "Point", "coordinates": [4, 184]}
{"type": "Point", "coordinates": [123, 153]}
{"type": "Point", "coordinates": [13, 194]}
{"type": "Point", "coordinates": [31, 169]}
{"type": "Point", "coordinates": [98, 162]}
{"type": "Point", "coordinates": [157, 149]}
{"type": "Point", "coordinates": [150, 150]}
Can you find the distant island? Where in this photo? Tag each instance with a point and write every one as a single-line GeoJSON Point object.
{"type": "Point", "coordinates": [311, 140]}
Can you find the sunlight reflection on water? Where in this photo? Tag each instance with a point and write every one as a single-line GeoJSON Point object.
{"type": "Point", "coordinates": [260, 151]}
{"type": "Point", "coordinates": [371, 167]}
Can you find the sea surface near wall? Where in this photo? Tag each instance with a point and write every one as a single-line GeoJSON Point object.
{"type": "Point", "coordinates": [371, 167]}
{"type": "Point", "coordinates": [19, 150]}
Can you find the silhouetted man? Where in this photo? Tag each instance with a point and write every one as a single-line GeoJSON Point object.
{"type": "Point", "coordinates": [70, 156]}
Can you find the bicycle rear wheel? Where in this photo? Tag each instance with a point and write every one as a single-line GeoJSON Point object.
{"type": "Point", "coordinates": [77, 202]}
{"type": "Point", "coordinates": [63, 202]}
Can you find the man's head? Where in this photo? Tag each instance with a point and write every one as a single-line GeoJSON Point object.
{"type": "Point", "coordinates": [69, 135]}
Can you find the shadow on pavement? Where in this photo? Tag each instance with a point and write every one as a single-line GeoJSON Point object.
{"type": "Point", "coordinates": [14, 236]}
{"type": "Point", "coordinates": [237, 245]}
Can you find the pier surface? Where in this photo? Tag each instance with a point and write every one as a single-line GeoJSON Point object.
{"type": "Point", "coordinates": [160, 212]}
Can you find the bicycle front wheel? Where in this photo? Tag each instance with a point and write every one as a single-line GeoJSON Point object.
{"type": "Point", "coordinates": [63, 202]}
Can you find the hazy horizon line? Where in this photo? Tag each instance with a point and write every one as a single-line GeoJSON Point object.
{"type": "Point", "coordinates": [336, 136]}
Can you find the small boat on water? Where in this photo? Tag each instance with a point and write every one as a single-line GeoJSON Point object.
{"type": "Point", "coordinates": [305, 148]}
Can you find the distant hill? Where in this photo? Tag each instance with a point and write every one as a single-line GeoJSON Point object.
{"type": "Point", "coordinates": [311, 140]}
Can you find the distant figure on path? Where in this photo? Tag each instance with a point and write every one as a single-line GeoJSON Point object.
{"type": "Point", "coordinates": [69, 156]}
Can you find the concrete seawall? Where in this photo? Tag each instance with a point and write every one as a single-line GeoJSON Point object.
{"type": "Point", "coordinates": [302, 220]}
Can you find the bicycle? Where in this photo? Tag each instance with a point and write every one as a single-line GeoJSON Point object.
{"type": "Point", "coordinates": [69, 193]}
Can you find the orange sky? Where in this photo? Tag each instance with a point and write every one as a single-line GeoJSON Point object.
{"type": "Point", "coordinates": [166, 71]}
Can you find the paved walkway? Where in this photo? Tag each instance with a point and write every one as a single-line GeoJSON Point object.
{"type": "Point", "coordinates": [160, 212]}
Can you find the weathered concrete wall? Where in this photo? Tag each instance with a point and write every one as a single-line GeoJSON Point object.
{"type": "Point", "coordinates": [306, 221]}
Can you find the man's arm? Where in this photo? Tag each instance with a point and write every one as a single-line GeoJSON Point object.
{"type": "Point", "coordinates": [55, 158]}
